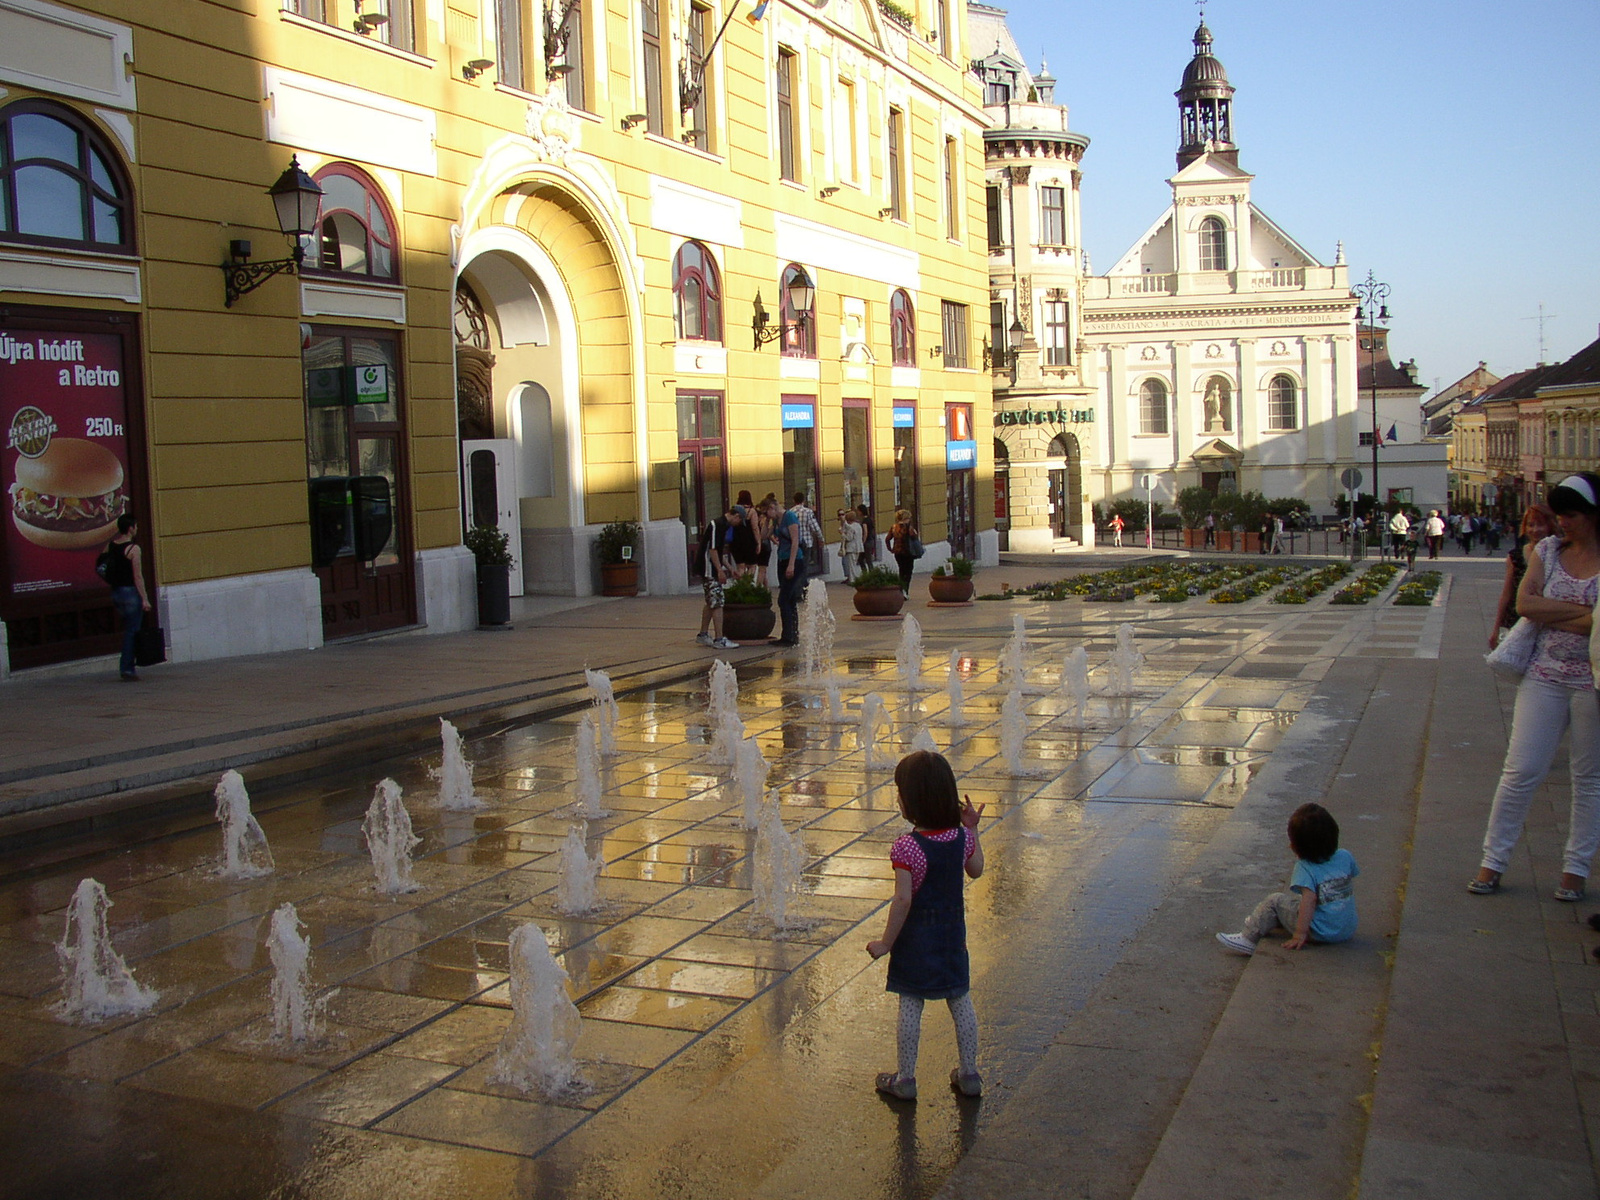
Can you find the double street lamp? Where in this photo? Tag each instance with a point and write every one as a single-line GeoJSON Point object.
{"type": "Point", "coordinates": [1370, 296]}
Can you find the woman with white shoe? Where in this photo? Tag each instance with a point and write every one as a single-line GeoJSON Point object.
{"type": "Point", "coordinates": [1557, 693]}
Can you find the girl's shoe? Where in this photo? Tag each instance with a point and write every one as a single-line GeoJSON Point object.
{"type": "Point", "coordinates": [890, 1084]}
{"type": "Point", "coordinates": [967, 1085]}
{"type": "Point", "coordinates": [1569, 895]}
{"type": "Point", "coordinates": [1484, 887]}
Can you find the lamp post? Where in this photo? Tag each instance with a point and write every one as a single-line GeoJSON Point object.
{"type": "Point", "coordinates": [297, 203]}
{"type": "Point", "coordinates": [1370, 296]}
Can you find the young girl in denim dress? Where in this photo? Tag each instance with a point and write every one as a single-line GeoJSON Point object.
{"type": "Point", "coordinates": [925, 936]}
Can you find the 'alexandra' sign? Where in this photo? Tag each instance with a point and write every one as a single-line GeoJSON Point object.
{"type": "Point", "coordinates": [1044, 416]}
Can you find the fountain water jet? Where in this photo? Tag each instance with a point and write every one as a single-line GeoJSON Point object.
{"type": "Point", "coordinates": [536, 1053]}
{"type": "Point", "coordinates": [817, 626]}
{"type": "Point", "coordinates": [1013, 732]}
{"type": "Point", "coordinates": [296, 1016]}
{"type": "Point", "coordinates": [578, 884]}
{"type": "Point", "coordinates": [1124, 663]}
{"type": "Point", "coordinates": [588, 756]}
{"type": "Point", "coordinates": [95, 981]}
{"type": "Point", "coordinates": [872, 715]}
{"type": "Point", "coordinates": [245, 853]}
{"type": "Point", "coordinates": [953, 714]}
{"type": "Point", "coordinates": [1075, 683]}
{"type": "Point", "coordinates": [1013, 658]}
{"type": "Point", "coordinates": [835, 706]}
{"type": "Point", "coordinates": [749, 782]}
{"type": "Point", "coordinates": [780, 858]}
{"type": "Point", "coordinates": [605, 709]}
{"type": "Point", "coordinates": [387, 827]}
{"type": "Point", "coordinates": [908, 655]}
{"type": "Point", "coordinates": [454, 773]}
{"type": "Point", "coordinates": [924, 741]}
{"type": "Point", "coordinates": [723, 713]}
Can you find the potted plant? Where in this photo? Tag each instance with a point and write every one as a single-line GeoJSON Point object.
{"type": "Point", "coordinates": [617, 545]}
{"type": "Point", "coordinates": [747, 614]}
{"type": "Point", "coordinates": [878, 592]}
{"type": "Point", "coordinates": [491, 548]}
{"type": "Point", "coordinates": [951, 583]}
{"type": "Point", "coordinates": [1193, 505]}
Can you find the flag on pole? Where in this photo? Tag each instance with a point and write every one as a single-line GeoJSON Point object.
{"type": "Point", "coordinates": [1392, 436]}
{"type": "Point", "coordinates": [760, 10]}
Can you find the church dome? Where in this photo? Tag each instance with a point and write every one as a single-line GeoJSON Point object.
{"type": "Point", "coordinates": [1205, 67]}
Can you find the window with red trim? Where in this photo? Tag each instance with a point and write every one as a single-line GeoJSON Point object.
{"type": "Point", "coordinates": [698, 292]}
{"type": "Point", "coordinates": [799, 335]}
{"type": "Point", "coordinates": [902, 329]}
{"type": "Point", "coordinates": [356, 236]}
{"type": "Point", "coordinates": [61, 183]}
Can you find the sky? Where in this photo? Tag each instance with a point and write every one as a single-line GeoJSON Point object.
{"type": "Point", "coordinates": [1452, 147]}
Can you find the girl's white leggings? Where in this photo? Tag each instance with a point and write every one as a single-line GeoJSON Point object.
{"type": "Point", "coordinates": [910, 1033]}
{"type": "Point", "coordinates": [1543, 713]}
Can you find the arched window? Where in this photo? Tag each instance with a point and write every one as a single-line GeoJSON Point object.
{"type": "Point", "coordinates": [1152, 406]}
{"type": "Point", "coordinates": [1213, 245]}
{"type": "Point", "coordinates": [61, 183]}
{"type": "Point", "coordinates": [1283, 403]}
{"type": "Point", "coordinates": [902, 329]}
{"type": "Point", "coordinates": [357, 235]}
{"type": "Point", "coordinates": [699, 294]}
{"type": "Point", "coordinates": [799, 336]}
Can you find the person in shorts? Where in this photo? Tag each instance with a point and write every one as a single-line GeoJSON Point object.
{"type": "Point", "coordinates": [717, 566]}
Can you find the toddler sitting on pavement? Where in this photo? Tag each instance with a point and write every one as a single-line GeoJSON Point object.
{"type": "Point", "coordinates": [1320, 905]}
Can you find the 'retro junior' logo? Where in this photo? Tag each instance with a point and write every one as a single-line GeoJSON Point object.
{"type": "Point", "coordinates": [30, 433]}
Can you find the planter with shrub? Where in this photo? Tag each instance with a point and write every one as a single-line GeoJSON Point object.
{"type": "Point", "coordinates": [747, 614]}
{"type": "Point", "coordinates": [619, 572]}
{"type": "Point", "coordinates": [878, 592]}
{"type": "Point", "coordinates": [491, 548]}
{"type": "Point", "coordinates": [952, 582]}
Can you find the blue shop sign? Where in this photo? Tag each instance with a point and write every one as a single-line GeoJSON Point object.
{"type": "Point", "coordinates": [960, 456]}
{"type": "Point", "coordinates": [799, 416]}
{"type": "Point", "coordinates": [905, 418]}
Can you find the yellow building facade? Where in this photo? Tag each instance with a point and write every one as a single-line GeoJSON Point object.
{"type": "Point", "coordinates": [528, 298]}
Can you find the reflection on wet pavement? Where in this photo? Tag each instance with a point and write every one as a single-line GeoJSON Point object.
{"type": "Point", "coordinates": [717, 1058]}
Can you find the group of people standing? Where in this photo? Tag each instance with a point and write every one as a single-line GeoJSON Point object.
{"type": "Point", "coordinates": [784, 547]}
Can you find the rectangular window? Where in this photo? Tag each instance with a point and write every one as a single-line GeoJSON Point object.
{"type": "Point", "coordinates": [997, 237]}
{"type": "Point", "coordinates": [997, 331]}
{"type": "Point", "coordinates": [508, 37]}
{"type": "Point", "coordinates": [1052, 216]}
{"type": "Point", "coordinates": [951, 192]}
{"type": "Point", "coordinates": [905, 461]}
{"type": "Point", "coordinates": [896, 156]}
{"type": "Point", "coordinates": [396, 27]}
{"type": "Point", "coordinates": [800, 467]}
{"type": "Point", "coordinates": [700, 112]}
{"type": "Point", "coordinates": [955, 334]}
{"type": "Point", "coordinates": [788, 142]}
{"type": "Point", "coordinates": [857, 454]}
{"type": "Point", "coordinates": [574, 80]}
{"type": "Point", "coordinates": [941, 27]}
{"type": "Point", "coordinates": [650, 33]}
{"type": "Point", "coordinates": [1057, 349]}
{"type": "Point", "coordinates": [1366, 437]}
{"type": "Point", "coordinates": [845, 148]}
{"type": "Point", "coordinates": [995, 93]}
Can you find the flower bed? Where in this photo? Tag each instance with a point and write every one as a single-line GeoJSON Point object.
{"type": "Point", "coordinates": [1371, 581]}
{"type": "Point", "coordinates": [1260, 581]}
{"type": "Point", "coordinates": [1313, 584]}
{"type": "Point", "coordinates": [1420, 590]}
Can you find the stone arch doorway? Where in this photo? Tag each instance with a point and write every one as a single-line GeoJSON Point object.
{"type": "Point", "coordinates": [1066, 486]}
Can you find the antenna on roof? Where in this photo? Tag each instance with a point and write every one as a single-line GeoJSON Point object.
{"type": "Point", "coordinates": [1542, 318]}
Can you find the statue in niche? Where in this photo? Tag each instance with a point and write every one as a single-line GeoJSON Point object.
{"type": "Point", "coordinates": [1216, 406]}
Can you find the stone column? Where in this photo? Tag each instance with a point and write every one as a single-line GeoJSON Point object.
{"type": "Point", "coordinates": [1185, 425]}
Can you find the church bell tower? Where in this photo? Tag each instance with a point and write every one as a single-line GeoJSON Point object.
{"type": "Point", "coordinates": [1205, 106]}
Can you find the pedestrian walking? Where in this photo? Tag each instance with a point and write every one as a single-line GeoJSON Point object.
{"type": "Point", "coordinates": [1399, 528]}
{"type": "Point", "coordinates": [905, 543]}
{"type": "Point", "coordinates": [788, 560]}
{"type": "Point", "coordinates": [1320, 905]}
{"type": "Point", "coordinates": [766, 524]}
{"type": "Point", "coordinates": [851, 542]}
{"type": "Point", "coordinates": [1538, 523]}
{"type": "Point", "coordinates": [869, 535]}
{"type": "Point", "coordinates": [124, 572]}
{"type": "Point", "coordinates": [1433, 530]}
{"type": "Point", "coordinates": [1210, 525]}
{"type": "Point", "coordinates": [811, 540]}
{"type": "Point", "coordinates": [1277, 533]}
{"type": "Point", "coordinates": [925, 935]}
{"type": "Point", "coordinates": [1116, 529]}
{"type": "Point", "coordinates": [717, 568]}
{"type": "Point", "coordinates": [1557, 692]}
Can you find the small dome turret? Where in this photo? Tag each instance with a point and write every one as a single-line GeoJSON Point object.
{"type": "Point", "coordinates": [1205, 106]}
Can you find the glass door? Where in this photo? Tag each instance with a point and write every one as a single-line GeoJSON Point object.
{"type": "Point", "coordinates": [702, 469]}
{"type": "Point", "coordinates": [858, 454]}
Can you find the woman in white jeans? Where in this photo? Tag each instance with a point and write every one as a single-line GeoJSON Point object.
{"type": "Point", "coordinates": [1557, 694]}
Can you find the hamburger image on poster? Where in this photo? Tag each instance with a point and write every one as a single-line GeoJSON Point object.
{"type": "Point", "coordinates": [68, 497]}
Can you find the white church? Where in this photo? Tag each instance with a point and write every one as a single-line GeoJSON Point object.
{"type": "Point", "coordinates": [1220, 350]}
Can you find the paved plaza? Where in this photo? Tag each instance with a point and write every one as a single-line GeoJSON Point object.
{"type": "Point", "coordinates": [1448, 1050]}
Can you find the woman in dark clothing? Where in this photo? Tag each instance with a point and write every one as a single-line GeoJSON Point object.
{"type": "Point", "coordinates": [125, 574]}
{"type": "Point", "coordinates": [869, 535]}
{"type": "Point", "coordinates": [899, 543]}
{"type": "Point", "coordinates": [742, 538]}
{"type": "Point", "coordinates": [1538, 523]}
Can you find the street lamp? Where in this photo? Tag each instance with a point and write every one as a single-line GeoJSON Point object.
{"type": "Point", "coordinates": [993, 356]}
{"type": "Point", "coordinates": [1370, 296]}
{"type": "Point", "coordinates": [297, 202]}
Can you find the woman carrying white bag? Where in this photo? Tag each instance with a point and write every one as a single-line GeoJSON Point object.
{"type": "Point", "coordinates": [1557, 597]}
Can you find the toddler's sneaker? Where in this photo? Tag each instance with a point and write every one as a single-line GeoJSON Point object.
{"type": "Point", "coordinates": [704, 639]}
{"type": "Point", "coordinates": [890, 1084]}
{"type": "Point", "coordinates": [1238, 943]}
{"type": "Point", "coordinates": [723, 643]}
{"type": "Point", "coordinates": [967, 1085]}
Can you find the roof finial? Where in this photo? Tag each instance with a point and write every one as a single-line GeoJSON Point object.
{"type": "Point", "coordinates": [1338, 254]}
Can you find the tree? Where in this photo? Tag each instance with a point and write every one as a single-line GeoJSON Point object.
{"type": "Point", "coordinates": [1193, 505]}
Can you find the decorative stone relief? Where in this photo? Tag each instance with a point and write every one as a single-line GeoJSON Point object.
{"type": "Point", "coordinates": [552, 127]}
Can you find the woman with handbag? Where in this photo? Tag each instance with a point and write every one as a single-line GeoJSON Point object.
{"type": "Point", "coordinates": [1558, 595]}
{"type": "Point", "coordinates": [905, 543]}
{"type": "Point", "coordinates": [125, 573]}
{"type": "Point", "coordinates": [1538, 523]}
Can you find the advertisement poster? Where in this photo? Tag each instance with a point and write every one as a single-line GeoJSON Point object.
{"type": "Point", "coordinates": [64, 458]}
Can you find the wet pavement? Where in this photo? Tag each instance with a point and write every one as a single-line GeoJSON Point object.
{"type": "Point", "coordinates": [719, 1057]}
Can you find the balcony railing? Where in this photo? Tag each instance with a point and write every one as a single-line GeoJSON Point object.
{"type": "Point", "coordinates": [1278, 277]}
{"type": "Point", "coordinates": [1149, 285]}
